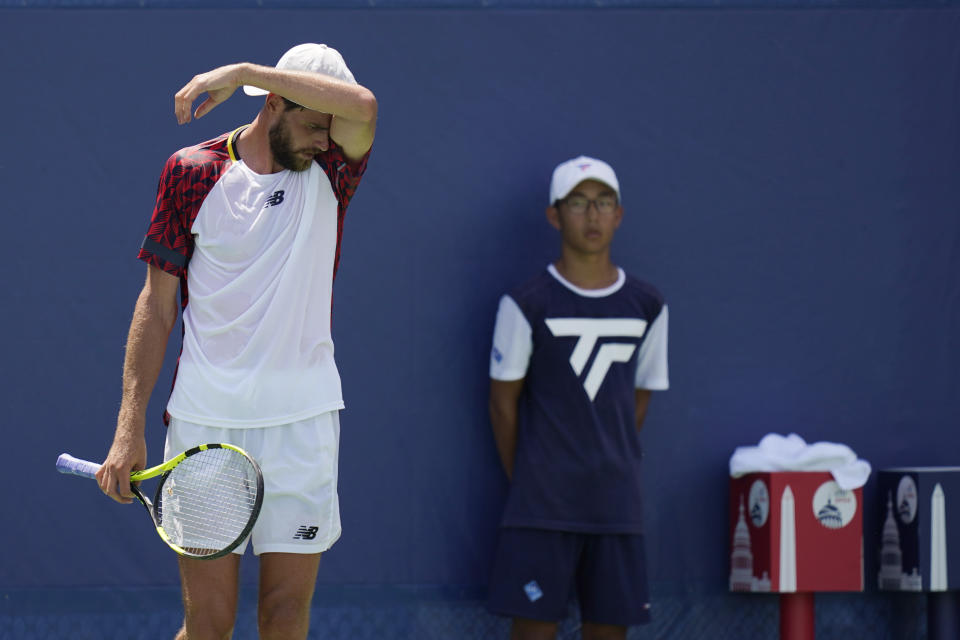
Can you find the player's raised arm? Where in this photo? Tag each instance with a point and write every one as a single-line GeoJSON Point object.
{"type": "Point", "coordinates": [311, 75]}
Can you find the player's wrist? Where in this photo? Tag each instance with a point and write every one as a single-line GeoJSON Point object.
{"type": "Point", "coordinates": [243, 73]}
{"type": "Point", "coordinates": [131, 423]}
{"type": "Point", "coordinates": [256, 75]}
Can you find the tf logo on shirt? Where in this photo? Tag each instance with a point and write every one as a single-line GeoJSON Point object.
{"type": "Point", "coordinates": [588, 331]}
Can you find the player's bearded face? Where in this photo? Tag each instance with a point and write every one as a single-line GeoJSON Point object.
{"type": "Point", "coordinates": [282, 147]}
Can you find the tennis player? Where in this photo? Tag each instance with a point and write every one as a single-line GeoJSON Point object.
{"type": "Point", "coordinates": [577, 351]}
{"type": "Point", "coordinates": [248, 227]}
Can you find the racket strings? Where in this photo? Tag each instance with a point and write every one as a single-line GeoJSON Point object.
{"type": "Point", "coordinates": [206, 502]}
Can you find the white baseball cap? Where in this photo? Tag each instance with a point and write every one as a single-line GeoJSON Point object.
{"type": "Point", "coordinates": [569, 174]}
{"type": "Point", "coordinates": [318, 58]}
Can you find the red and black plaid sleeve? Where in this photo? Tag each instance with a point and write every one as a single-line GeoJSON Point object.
{"type": "Point", "coordinates": [167, 243]}
{"type": "Point", "coordinates": [187, 178]}
{"type": "Point", "coordinates": [344, 178]}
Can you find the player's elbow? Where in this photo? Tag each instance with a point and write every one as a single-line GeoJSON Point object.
{"type": "Point", "coordinates": [503, 415]}
{"type": "Point", "coordinates": [156, 308]}
{"type": "Point", "coordinates": [366, 105]}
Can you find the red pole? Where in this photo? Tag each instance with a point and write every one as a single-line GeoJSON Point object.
{"type": "Point", "coordinates": [797, 619]}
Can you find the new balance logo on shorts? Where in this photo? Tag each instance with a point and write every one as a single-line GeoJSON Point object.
{"type": "Point", "coordinates": [588, 330]}
{"type": "Point", "coordinates": [306, 533]}
{"type": "Point", "coordinates": [274, 200]}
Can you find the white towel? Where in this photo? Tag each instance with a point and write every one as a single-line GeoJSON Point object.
{"type": "Point", "coordinates": [792, 453]}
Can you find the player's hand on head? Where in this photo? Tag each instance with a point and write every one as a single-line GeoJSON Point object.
{"type": "Point", "coordinates": [219, 84]}
{"type": "Point", "coordinates": [125, 456]}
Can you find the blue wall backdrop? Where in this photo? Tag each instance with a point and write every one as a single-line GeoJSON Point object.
{"type": "Point", "coordinates": [790, 184]}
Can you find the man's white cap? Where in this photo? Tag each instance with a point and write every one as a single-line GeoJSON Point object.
{"type": "Point", "coordinates": [569, 174]}
{"type": "Point", "coordinates": [318, 58]}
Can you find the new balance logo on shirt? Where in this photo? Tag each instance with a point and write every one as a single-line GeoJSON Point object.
{"type": "Point", "coordinates": [589, 330]}
{"type": "Point", "coordinates": [274, 200]}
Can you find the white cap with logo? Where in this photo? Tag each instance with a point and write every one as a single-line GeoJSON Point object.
{"type": "Point", "coordinates": [569, 174]}
{"type": "Point", "coordinates": [317, 58]}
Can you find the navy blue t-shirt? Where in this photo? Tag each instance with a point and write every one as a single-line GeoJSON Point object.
{"type": "Point", "coordinates": [577, 465]}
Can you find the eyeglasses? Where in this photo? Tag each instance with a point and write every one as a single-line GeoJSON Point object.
{"type": "Point", "coordinates": [579, 205]}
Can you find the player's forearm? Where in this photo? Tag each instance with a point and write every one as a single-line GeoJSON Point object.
{"type": "Point", "coordinates": [504, 423]}
{"type": "Point", "coordinates": [642, 398]}
{"type": "Point", "coordinates": [146, 347]}
{"type": "Point", "coordinates": [313, 91]}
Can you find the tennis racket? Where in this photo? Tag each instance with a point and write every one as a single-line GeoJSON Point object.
{"type": "Point", "coordinates": [206, 503]}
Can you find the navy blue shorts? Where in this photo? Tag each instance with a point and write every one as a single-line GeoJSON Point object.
{"type": "Point", "coordinates": [536, 572]}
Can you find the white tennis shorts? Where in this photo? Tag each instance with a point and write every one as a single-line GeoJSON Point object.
{"type": "Point", "coordinates": [301, 510]}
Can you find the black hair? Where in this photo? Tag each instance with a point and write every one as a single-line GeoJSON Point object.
{"type": "Point", "coordinates": [290, 105]}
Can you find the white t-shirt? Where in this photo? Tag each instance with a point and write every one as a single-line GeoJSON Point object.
{"type": "Point", "coordinates": [257, 347]}
{"type": "Point", "coordinates": [256, 255]}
